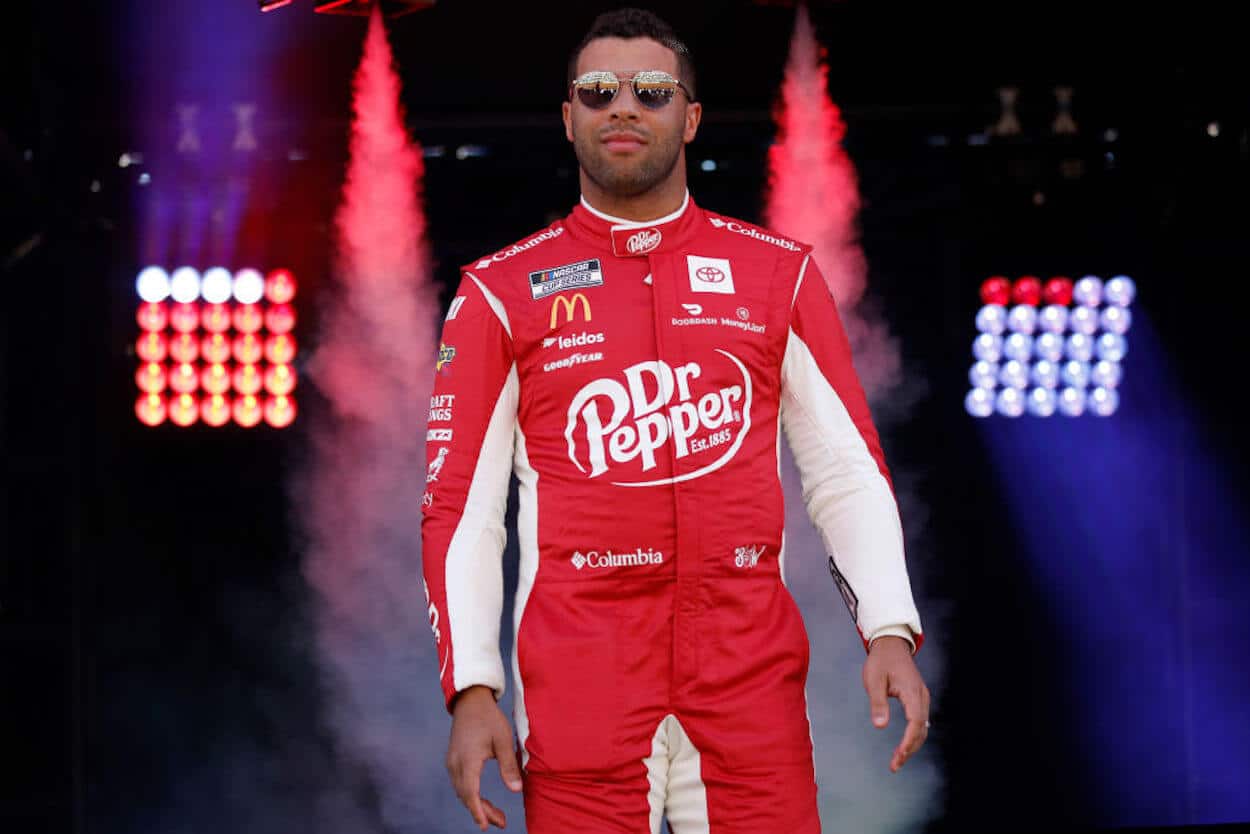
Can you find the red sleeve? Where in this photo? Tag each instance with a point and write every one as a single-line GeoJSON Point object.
{"type": "Point", "coordinates": [469, 444]}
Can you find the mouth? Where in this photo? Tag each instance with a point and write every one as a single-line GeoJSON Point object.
{"type": "Point", "coordinates": [622, 141]}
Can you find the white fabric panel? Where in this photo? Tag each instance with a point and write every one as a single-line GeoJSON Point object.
{"type": "Point", "coordinates": [527, 534]}
{"type": "Point", "coordinates": [473, 569]}
{"type": "Point", "coordinates": [847, 497]}
{"type": "Point", "coordinates": [495, 304]}
{"type": "Point", "coordinates": [893, 631]}
{"type": "Point", "coordinates": [676, 778]}
{"type": "Point", "coordinates": [622, 223]}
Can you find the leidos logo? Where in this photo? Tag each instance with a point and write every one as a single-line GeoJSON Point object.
{"type": "Point", "coordinates": [694, 423]}
{"type": "Point", "coordinates": [569, 304]}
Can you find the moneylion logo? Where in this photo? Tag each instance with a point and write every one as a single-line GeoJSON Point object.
{"type": "Point", "coordinates": [662, 407]}
{"type": "Point", "coordinates": [643, 242]}
{"type": "Point", "coordinates": [610, 559]}
{"type": "Point", "coordinates": [568, 304]}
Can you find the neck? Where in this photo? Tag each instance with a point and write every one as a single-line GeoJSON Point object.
{"type": "Point", "coordinates": [662, 200]}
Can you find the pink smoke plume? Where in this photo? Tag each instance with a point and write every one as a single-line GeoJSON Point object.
{"type": "Point", "coordinates": [813, 196]}
{"type": "Point", "coordinates": [358, 494]}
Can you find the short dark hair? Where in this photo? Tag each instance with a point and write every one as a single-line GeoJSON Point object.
{"type": "Point", "coordinates": [637, 23]}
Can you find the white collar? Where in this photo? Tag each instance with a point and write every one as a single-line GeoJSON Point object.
{"type": "Point", "coordinates": [622, 223]}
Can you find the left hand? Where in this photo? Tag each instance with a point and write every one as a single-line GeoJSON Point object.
{"type": "Point", "coordinates": [890, 671]}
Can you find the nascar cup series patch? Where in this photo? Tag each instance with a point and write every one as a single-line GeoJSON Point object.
{"type": "Point", "coordinates": [568, 277]}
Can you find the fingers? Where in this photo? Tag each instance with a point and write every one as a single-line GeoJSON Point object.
{"type": "Point", "coordinates": [493, 814]}
{"type": "Point", "coordinates": [915, 700]}
{"type": "Point", "coordinates": [466, 778]}
{"type": "Point", "coordinates": [875, 686]}
{"type": "Point", "coordinates": [509, 770]}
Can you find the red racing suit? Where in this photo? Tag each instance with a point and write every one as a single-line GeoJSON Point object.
{"type": "Point", "coordinates": [636, 377]}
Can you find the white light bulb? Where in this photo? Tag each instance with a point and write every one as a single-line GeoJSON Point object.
{"type": "Point", "coordinates": [153, 284]}
{"type": "Point", "coordinates": [184, 285]}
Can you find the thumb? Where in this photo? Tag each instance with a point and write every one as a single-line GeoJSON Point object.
{"type": "Point", "coordinates": [509, 770]}
{"type": "Point", "coordinates": [878, 706]}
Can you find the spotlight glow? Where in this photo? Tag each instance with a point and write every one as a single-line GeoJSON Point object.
{"type": "Point", "coordinates": [1041, 402]}
{"type": "Point", "coordinates": [249, 286]}
{"type": "Point", "coordinates": [153, 284]}
{"type": "Point", "coordinates": [184, 285]}
{"type": "Point", "coordinates": [216, 286]}
{"type": "Point", "coordinates": [992, 318]}
{"type": "Point", "coordinates": [979, 402]}
{"type": "Point", "coordinates": [1009, 402]}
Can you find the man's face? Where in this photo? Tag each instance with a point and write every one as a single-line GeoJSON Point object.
{"type": "Point", "coordinates": [627, 149]}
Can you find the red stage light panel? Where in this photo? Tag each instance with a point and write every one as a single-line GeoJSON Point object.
{"type": "Point", "coordinates": [248, 318]}
{"type": "Point", "coordinates": [153, 316]}
{"type": "Point", "coordinates": [280, 349]}
{"type": "Point", "coordinates": [247, 410]}
{"type": "Point", "coordinates": [184, 379]}
{"type": "Point", "coordinates": [184, 318]}
{"type": "Point", "coordinates": [184, 347]}
{"type": "Point", "coordinates": [151, 409]}
{"type": "Point", "coordinates": [215, 347]}
{"type": "Point", "coordinates": [215, 410]}
{"type": "Point", "coordinates": [279, 380]}
{"type": "Point", "coordinates": [247, 349]}
{"type": "Point", "coordinates": [151, 378]}
{"type": "Point", "coordinates": [215, 318]}
{"type": "Point", "coordinates": [279, 411]}
{"type": "Point", "coordinates": [280, 286]}
{"type": "Point", "coordinates": [280, 318]}
{"type": "Point", "coordinates": [184, 409]}
{"type": "Point", "coordinates": [215, 379]}
{"type": "Point", "coordinates": [247, 379]}
{"type": "Point", "coordinates": [152, 347]}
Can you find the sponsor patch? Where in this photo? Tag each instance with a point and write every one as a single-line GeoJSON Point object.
{"type": "Point", "coordinates": [693, 309]}
{"type": "Point", "coordinates": [549, 234]}
{"type": "Point", "coordinates": [446, 353]}
{"type": "Point", "coordinates": [737, 228]}
{"type": "Point", "coordinates": [575, 340]}
{"type": "Point", "coordinates": [568, 305]}
{"type": "Point", "coordinates": [844, 587]}
{"type": "Point", "coordinates": [615, 559]}
{"type": "Point", "coordinates": [571, 360]}
{"type": "Point", "coordinates": [440, 408]}
{"type": "Point", "coordinates": [644, 241]}
{"type": "Point", "coordinates": [438, 434]}
{"type": "Point", "coordinates": [749, 556]}
{"type": "Point", "coordinates": [568, 277]}
{"type": "Point", "coordinates": [436, 465]}
{"type": "Point", "coordinates": [710, 275]}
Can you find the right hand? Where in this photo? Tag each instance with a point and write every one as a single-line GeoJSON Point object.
{"type": "Point", "coordinates": [480, 731]}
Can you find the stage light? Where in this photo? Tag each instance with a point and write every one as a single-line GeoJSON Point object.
{"type": "Point", "coordinates": [215, 318]}
{"type": "Point", "coordinates": [1022, 319]}
{"type": "Point", "coordinates": [1045, 374]}
{"type": "Point", "coordinates": [184, 317]}
{"type": "Point", "coordinates": [983, 374]}
{"type": "Point", "coordinates": [1018, 346]}
{"type": "Point", "coordinates": [184, 347]}
{"type": "Point", "coordinates": [151, 378]}
{"type": "Point", "coordinates": [1027, 290]}
{"type": "Point", "coordinates": [280, 286]}
{"type": "Point", "coordinates": [979, 402]}
{"type": "Point", "coordinates": [153, 316]}
{"type": "Point", "coordinates": [152, 347]}
{"type": "Point", "coordinates": [1075, 374]}
{"type": "Point", "coordinates": [215, 379]}
{"type": "Point", "coordinates": [216, 285]}
{"type": "Point", "coordinates": [184, 285]}
{"type": "Point", "coordinates": [280, 318]}
{"type": "Point", "coordinates": [1041, 402]}
{"type": "Point", "coordinates": [151, 409]}
{"type": "Point", "coordinates": [1079, 347]}
{"type": "Point", "coordinates": [1053, 318]}
{"type": "Point", "coordinates": [1103, 401]}
{"type": "Point", "coordinates": [1106, 374]}
{"type": "Point", "coordinates": [1120, 291]}
{"type": "Point", "coordinates": [215, 348]}
{"type": "Point", "coordinates": [1058, 291]}
{"type": "Point", "coordinates": [215, 410]}
{"type": "Point", "coordinates": [279, 380]}
{"type": "Point", "coordinates": [1083, 320]}
{"type": "Point", "coordinates": [184, 409]}
{"type": "Point", "coordinates": [1009, 402]}
{"type": "Point", "coordinates": [248, 287]}
{"type": "Point", "coordinates": [280, 349]}
{"type": "Point", "coordinates": [247, 349]}
{"type": "Point", "coordinates": [1049, 346]}
{"type": "Point", "coordinates": [247, 379]}
{"type": "Point", "coordinates": [996, 290]}
{"type": "Point", "coordinates": [279, 411]}
{"type": "Point", "coordinates": [246, 410]}
{"type": "Point", "coordinates": [988, 347]}
{"type": "Point", "coordinates": [270, 5]}
{"type": "Point", "coordinates": [1072, 402]}
{"type": "Point", "coordinates": [153, 284]}
{"type": "Point", "coordinates": [183, 378]}
{"type": "Point", "coordinates": [390, 8]}
{"type": "Point", "coordinates": [992, 318]}
{"type": "Point", "coordinates": [1115, 319]}
{"type": "Point", "coordinates": [248, 318]}
{"type": "Point", "coordinates": [1014, 374]}
{"type": "Point", "coordinates": [1088, 291]}
{"type": "Point", "coordinates": [1112, 347]}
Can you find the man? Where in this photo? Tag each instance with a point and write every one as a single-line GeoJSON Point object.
{"type": "Point", "coordinates": [633, 364]}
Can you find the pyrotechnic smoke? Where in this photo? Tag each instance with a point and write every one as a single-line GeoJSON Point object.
{"type": "Point", "coordinates": [814, 197]}
{"type": "Point", "coordinates": [359, 494]}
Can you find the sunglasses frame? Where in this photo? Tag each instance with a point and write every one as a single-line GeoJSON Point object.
{"type": "Point", "coordinates": [593, 78]}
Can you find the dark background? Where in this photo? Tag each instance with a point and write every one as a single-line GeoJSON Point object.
{"type": "Point", "coordinates": [148, 578]}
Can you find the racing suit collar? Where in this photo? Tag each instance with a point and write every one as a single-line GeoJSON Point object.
{"type": "Point", "coordinates": [634, 238]}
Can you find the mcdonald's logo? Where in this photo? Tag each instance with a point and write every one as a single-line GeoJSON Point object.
{"type": "Point", "coordinates": [569, 304]}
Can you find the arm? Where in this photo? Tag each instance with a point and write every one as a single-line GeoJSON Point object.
{"type": "Point", "coordinates": [469, 444]}
{"type": "Point", "coordinates": [846, 485]}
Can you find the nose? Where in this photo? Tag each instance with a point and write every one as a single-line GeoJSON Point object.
{"type": "Point", "coordinates": [625, 105]}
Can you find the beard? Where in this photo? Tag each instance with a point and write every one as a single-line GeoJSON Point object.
{"type": "Point", "coordinates": [627, 177]}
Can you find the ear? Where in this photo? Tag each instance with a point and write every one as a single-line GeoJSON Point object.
{"type": "Point", "coordinates": [566, 113]}
{"type": "Point", "coordinates": [694, 113]}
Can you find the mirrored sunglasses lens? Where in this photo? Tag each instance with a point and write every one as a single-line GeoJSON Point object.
{"type": "Point", "coordinates": [597, 94]}
{"type": "Point", "coordinates": [654, 94]}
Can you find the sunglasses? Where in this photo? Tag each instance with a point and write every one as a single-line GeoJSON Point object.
{"type": "Point", "coordinates": [652, 88]}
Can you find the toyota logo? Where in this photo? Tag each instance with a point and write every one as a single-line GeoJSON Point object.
{"type": "Point", "coordinates": [709, 274]}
